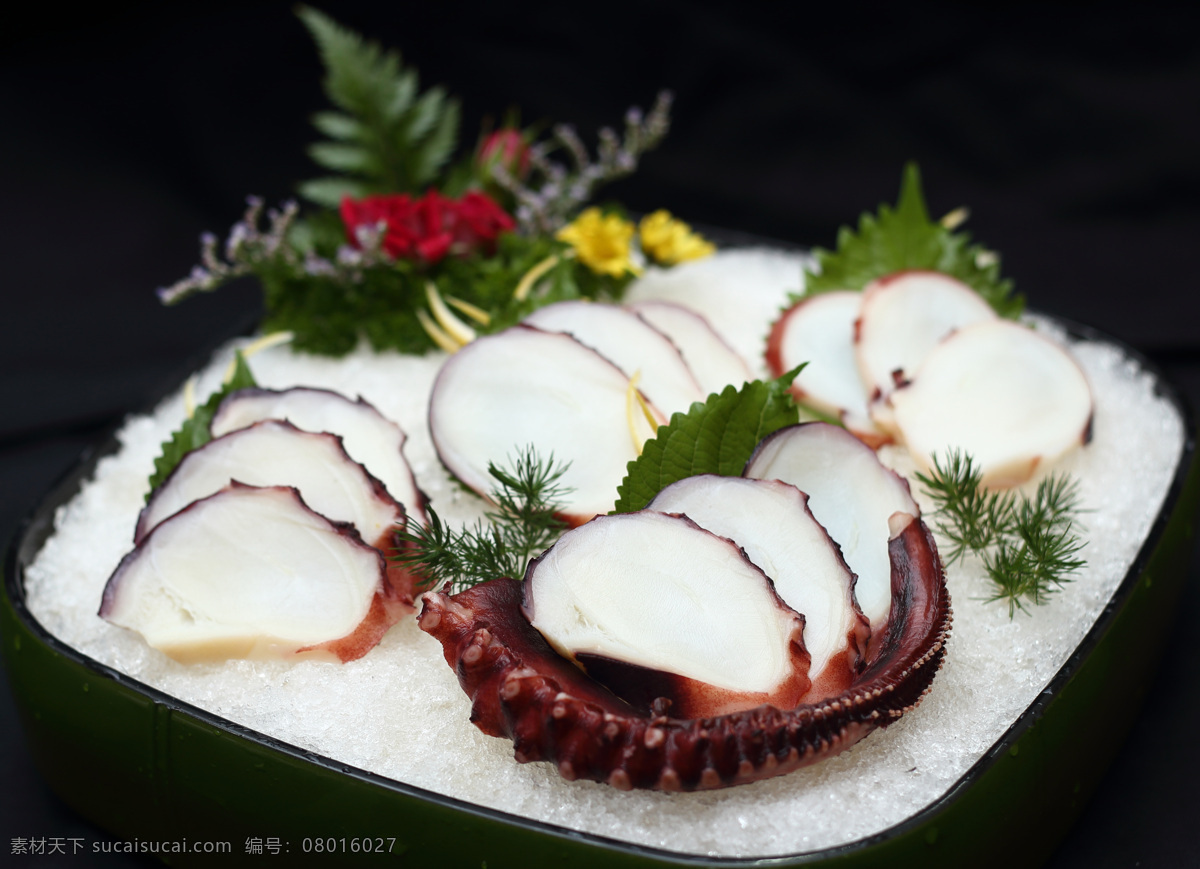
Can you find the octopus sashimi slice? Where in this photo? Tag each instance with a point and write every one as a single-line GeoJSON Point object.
{"type": "Point", "coordinates": [713, 362]}
{"type": "Point", "coordinates": [370, 438]}
{"type": "Point", "coordinates": [998, 391]}
{"type": "Point", "coordinates": [630, 343]}
{"type": "Point", "coordinates": [252, 572]}
{"type": "Point", "coordinates": [276, 453]}
{"type": "Point", "coordinates": [903, 317]}
{"type": "Point", "coordinates": [850, 493]}
{"type": "Point", "coordinates": [771, 521]}
{"type": "Point", "coordinates": [736, 290]}
{"type": "Point", "coordinates": [520, 688]}
{"type": "Point", "coordinates": [819, 330]}
{"type": "Point", "coordinates": [523, 386]}
{"type": "Point", "coordinates": [649, 598]}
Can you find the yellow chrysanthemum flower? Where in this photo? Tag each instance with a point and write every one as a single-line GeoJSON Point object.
{"type": "Point", "coordinates": [601, 241]}
{"type": "Point", "coordinates": [670, 241]}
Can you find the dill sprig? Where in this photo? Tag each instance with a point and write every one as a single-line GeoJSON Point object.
{"type": "Point", "coordinates": [1028, 547]}
{"type": "Point", "coordinates": [523, 523]}
{"type": "Point", "coordinates": [971, 518]}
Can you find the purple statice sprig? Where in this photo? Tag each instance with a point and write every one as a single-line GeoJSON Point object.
{"type": "Point", "coordinates": [554, 190]}
{"type": "Point", "coordinates": [250, 248]}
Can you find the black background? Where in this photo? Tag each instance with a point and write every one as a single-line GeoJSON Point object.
{"type": "Point", "coordinates": [1072, 135]}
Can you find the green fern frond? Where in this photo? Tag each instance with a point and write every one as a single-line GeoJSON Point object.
{"type": "Point", "coordinates": [388, 137]}
{"type": "Point", "coordinates": [338, 126]}
{"type": "Point", "coordinates": [438, 146]}
{"type": "Point", "coordinates": [330, 190]}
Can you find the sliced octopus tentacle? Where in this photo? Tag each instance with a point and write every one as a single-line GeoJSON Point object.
{"type": "Point", "coordinates": [904, 659]}
{"type": "Point", "coordinates": [522, 689]}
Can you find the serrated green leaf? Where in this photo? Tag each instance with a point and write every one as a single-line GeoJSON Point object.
{"type": "Point", "coordinates": [425, 113]}
{"type": "Point", "coordinates": [195, 430]}
{"type": "Point", "coordinates": [399, 101]}
{"type": "Point", "coordinates": [242, 378]}
{"type": "Point", "coordinates": [357, 70]}
{"type": "Point", "coordinates": [338, 126]}
{"type": "Point", "coordinates": [902, 238]}
{"type": "Point", "coordinates": [716, 437]}
{"type": "Point", "coordinates": [387, 137]}
{"type": "Point", "coordinates": [436, 150]}
{"type": "Point", "coordinates": [330, 191]}
{"type": "Point", "coordinates": [340, 157]}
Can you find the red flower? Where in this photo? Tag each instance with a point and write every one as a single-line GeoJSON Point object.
{"type": "Point", "coordinates": [428, 228]}
{"type": "Point", "coordinates": [478, 220]}
{"type": "Point", "coordinates": [508, 149]}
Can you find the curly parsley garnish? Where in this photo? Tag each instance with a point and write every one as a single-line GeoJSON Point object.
{"type": "Point", "coordinates": [902, 238]}
{"type": "Point", "coordinates": [523, 524]}
{"type": "Point", "coordinates": [1028, 547]}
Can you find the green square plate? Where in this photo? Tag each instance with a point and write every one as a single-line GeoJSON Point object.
{"type": "Point", "coordinates": [146, 766]}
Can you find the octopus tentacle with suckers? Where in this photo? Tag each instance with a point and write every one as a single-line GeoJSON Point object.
{"type": "Point", "coordinates": [539, 686]}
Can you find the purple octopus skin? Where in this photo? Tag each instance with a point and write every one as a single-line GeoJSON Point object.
{"type": "Point", "coordinates": [403, 582]}
{"type": "Point", "coordinates": [522, 689]}
{"type": "Point", "coordinates": [414, 506]}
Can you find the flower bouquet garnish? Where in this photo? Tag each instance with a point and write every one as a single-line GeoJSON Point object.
{"type": "Point", "coordinates": [413, 241]}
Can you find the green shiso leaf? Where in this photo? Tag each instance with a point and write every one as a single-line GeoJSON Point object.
{"type": "Point", "coordinates": [386, 137]}
{"type": "Point", "coordinates": [194, 432]}
{"type": "Point", "coordinates": [713, 437]}
{"type": "Point", "coordinates": [902, 238]}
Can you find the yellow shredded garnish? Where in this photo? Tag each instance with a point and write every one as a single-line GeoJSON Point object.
{"type": "Point", "coordinates": [264, 342]}
{"type": "Point", "coordinates": [634, 399]}
{"type": "Point", "coordinates": [668, 240]}
{"type": "Point", "coordinates": [475, 312]}
{"type": "Point", "coordinates": [532, 276]}
{"type": "Point", "coordinates": [189, 397]}
{"type": "Point", "coordinates": [955, 218]}
{"type": "Point", "coordinates": [458, 331]}
{"type": "Point", "coordinates": [435, 332]}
